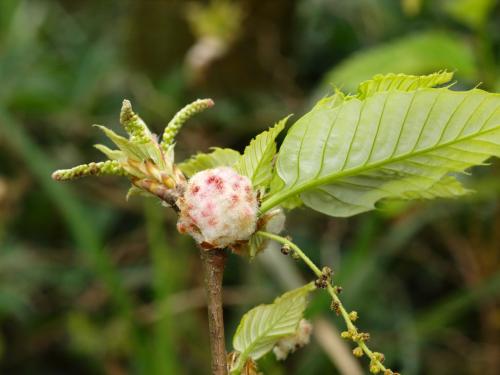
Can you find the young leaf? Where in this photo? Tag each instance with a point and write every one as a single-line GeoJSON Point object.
{"type": "Point", "coordinates": [263, 326]}
{"type": "Point", "coordinates": [402, 82]}
{"type": "Point", "coordinates": [131, 149]}
{"type": "Point", "coordinates": [392, 144]}
{"type": "Point", "coordinates": [256, 161]}
{"type": "Point", "coordinates": [219, 157]}
{"type": "Point", "coordinates": [111, 154]}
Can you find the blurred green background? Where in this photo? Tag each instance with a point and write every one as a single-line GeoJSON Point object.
{"type": "Point", "coordinates": [92, 284]}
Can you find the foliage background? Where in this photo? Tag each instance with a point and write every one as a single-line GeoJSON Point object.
{"type": "Point", "coordinates": [91, 284]}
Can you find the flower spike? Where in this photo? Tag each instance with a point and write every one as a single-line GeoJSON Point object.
{"type": "Point", "coordinates": [133, 124]}
{"type": "Point", "coordinates": [181, 117]}
{"type": "Point", "coordinates": [109, 167]}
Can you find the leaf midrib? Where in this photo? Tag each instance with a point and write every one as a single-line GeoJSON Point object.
{"type": "Point", "coordinates": [328, 179]}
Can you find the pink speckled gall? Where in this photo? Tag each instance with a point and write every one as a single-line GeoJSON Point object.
{"type": "Point", "coordinates": [218, 208]}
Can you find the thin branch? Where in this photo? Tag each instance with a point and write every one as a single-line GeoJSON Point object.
{"type": "Point", "coordinates": [213, 266]}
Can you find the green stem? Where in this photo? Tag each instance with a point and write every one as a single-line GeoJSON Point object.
{"type": "Point", "coordinates": [352, 329]}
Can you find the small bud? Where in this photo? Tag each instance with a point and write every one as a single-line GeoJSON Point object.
{"type": "Point", "coordinates": [168, 181]}
{"type": "Point", "coordinates": [326, 273]}
{"type": "Point", "coordinates": [353, 316]}
{"type": "Point", "coordinates": [285, 249]}
{"type": "Point", "coordinates": [346, 335]}
{"type": "Point", "coordinates": [358, 352]}
{"type": "Point", "coordinates": [320, 283]}
{"type": "Point", "coordinates": [232, 357]}
{"type": "Point", "coordinates": [250, 368]}
{"type": "Point", "coordinates": [379, 357]}
{"type": "Point", "coordinates": [374, 369]}
{"type": "Point", "coordinates": [335, 306]}
{"type": "Point", "coordinates": [294, 255]}
{"type": "Point", "coordinates": [337, 289]}
{"type": "Point", "coordinates": [363, 336]}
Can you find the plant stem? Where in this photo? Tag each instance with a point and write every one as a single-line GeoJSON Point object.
{"type": "Point", "coordinates": [352, 329]}
{"type": "Point", "coordinates": [213, 267]}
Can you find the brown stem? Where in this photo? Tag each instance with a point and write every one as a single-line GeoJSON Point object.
{"type": "Point", "coordinates": [213, 267]}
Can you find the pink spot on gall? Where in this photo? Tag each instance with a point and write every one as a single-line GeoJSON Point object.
{"type": "Point", "coordinates": [217, 181]}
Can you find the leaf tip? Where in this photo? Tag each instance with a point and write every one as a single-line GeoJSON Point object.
{"type": "Point", "coordinates": [209, 102]}
{"type": "Point", "coordinates": [126, 112]}
{"type": "Point", "coordinates": [56, 175]}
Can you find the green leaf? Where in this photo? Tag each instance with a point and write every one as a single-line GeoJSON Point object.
{"type": "Point", "coordinates": [402, 82]}
{"type": "Point", "coordinates": [111, 154]}
{"type": "Point", "coordinates": [447, 187]}
{"type": "Point", "coordinates": [257, 161]}
{"type": "Point", "coordinates": [129, 148]}
{"type": "Point", "coordinates": [473, 13]}
{"type": "Point", "coordinates": [263, 326]}
{"type": "Point", "coordinates": [143, 149]}
{"type": "Point", "coordinates": [417, 53]}
{"type": "Point", "coordinates": [393, 144]}
{"type": "Point", "coordinates": [219, 157]}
